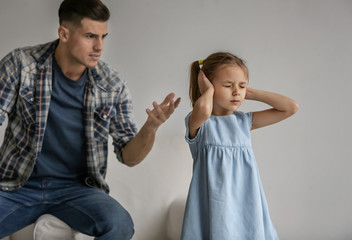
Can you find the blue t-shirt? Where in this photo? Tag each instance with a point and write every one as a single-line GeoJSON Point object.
{"type": "Point", "coordinates": [63, 152]}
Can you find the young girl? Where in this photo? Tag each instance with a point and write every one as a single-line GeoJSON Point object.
{"type": "Point", "coordinates": [226, 199]}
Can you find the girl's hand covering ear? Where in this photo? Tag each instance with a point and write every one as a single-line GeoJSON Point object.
{"type": "Point", "coordinates": [203, 82]}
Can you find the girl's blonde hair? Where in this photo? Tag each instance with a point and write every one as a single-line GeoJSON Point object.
{"type": "Point", "coordinates": [209, 66]}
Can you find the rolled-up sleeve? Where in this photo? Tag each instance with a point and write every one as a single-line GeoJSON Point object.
{"type": "Point", "coordinates": [122, 127]}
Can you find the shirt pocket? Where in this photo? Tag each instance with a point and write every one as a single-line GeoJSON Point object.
{"type": "Point", "coordinates": [26, 105]}
{"type": "Point", "coordinates": [102, 119]}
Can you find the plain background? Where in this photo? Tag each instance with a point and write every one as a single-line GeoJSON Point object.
{"type": "Point", "coordinates": [300, 48]}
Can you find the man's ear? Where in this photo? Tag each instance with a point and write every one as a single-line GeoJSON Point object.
{"type": "Point", "coordinates": [63, 33]}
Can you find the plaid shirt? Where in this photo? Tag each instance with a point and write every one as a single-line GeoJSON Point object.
{"type": "Point", "coordinates": [25, 92]}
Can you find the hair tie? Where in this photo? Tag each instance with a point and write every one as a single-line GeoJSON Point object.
{"type": "Point", "coordinates": [200, 62]}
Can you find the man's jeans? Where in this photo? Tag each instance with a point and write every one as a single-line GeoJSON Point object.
{"type": "Point", "coordinates": [88, 210]}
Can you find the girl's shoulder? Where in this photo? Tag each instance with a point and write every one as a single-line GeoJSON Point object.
{"type": "Point", "coordinates": [244, 115]}
{"type": "Point", "coordinates": [237, 119]}
{"type": "Point", "coordinates": [235, 115]}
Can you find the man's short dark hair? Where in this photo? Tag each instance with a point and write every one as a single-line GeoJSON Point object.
{"type": "Point", "coordinates": [74, 11]}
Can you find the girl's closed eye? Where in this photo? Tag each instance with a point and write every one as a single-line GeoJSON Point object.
{"type": "Point", "coordinates": [243, 85]}
{"type": "Point", "coordinates": [227, 84]}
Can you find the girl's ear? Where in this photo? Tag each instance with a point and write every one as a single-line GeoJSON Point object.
{"type": "Point", "coordinates": [63, 33]}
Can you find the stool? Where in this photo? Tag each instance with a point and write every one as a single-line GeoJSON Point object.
{"type": "Point", "coordinates": [49, 227]}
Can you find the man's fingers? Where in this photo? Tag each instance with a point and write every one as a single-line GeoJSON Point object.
{"type": "Point", "coordinates": [178, 100]}
{"type": "Point", "coordinates": [168, 98]}
{"type": "Point", "coordinates": [157, 108]}
{"type": "Point", "coordinates": [161, 112]}
{"type": "Point", "coordinates": [167, 107]}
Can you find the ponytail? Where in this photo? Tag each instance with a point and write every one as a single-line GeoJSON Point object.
{"type": "Point", "coordinates": [194, 92]}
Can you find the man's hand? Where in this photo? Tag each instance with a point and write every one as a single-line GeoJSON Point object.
{"type": "Point", "coordinates": [162, 112]}
{"type": "Point", "coordinates": [138, 148]}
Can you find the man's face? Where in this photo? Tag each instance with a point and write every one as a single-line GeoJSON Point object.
{"type": "Point", "coordinates": [86, 42]}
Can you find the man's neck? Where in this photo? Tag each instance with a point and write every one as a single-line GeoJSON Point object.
{"type": "Point", "coordinates": [73, 71]}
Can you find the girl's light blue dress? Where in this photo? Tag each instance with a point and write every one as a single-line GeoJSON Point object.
{"type": "Point", "coordinates": [226, 200]}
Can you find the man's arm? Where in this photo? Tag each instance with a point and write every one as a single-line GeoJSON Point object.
{"type": "Point", "coordinates": [138, 148]}
{"type": "Point", "coordinates": [9, 80]}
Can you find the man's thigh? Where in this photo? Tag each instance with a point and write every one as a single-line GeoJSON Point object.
{"type": "Point", "coordinates": [85, 209]}
{"type": "Point", "coordinates": [16, 212]}
{"type": "Point", "coordinates": [93, 212]}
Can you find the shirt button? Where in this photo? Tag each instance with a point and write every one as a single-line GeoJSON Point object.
{"type": "Point", "coordinates": [104, 116]}
{"type": "Point", "coordinates": [31, 99]}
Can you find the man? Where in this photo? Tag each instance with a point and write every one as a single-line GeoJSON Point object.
{"type": "Point", "coordinates": [62, 103]}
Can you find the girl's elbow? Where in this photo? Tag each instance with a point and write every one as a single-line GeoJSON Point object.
{"type": "Point", "coordinates": [294, 108]}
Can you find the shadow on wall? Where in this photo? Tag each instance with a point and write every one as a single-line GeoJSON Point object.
{"type": "Point", "coordinates": [155, 191]}
{"type": "Point", "coordinates": [175, 219]}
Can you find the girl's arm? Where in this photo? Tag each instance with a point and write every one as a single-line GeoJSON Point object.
{"type": "Point", "coordinates": [203, 106]}
{"type": "Point", "coordinates": [283, 107]}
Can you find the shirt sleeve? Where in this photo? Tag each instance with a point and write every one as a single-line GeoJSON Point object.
{"type": "Point", "coordinates": [123, 128]}
{"type": "Point", "coordinates": [193, 142]}
{"type": "Point", "coordinates": [249, 119]}
{"type": "Point", "coordinates": [188, 139]}
{"type": "Point", "coordinates": [8, 81]}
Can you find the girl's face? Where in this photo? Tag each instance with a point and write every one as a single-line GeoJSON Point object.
{"type": "Point", "coordinates": [230, 84]}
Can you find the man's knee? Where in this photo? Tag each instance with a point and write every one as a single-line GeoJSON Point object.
{"type": "Point", "coordinates": [118, 223]}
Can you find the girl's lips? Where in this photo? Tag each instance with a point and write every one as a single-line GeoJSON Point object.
{"type": "Point", "coordinates": [235, 101]}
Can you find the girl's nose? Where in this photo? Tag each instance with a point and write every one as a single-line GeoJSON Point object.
{"type": "Point", "coordinates": [234, 91]}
